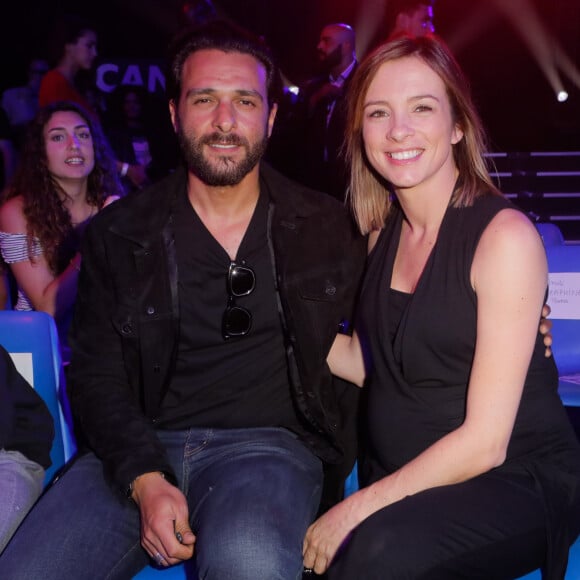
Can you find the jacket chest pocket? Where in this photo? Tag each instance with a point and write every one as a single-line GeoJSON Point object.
{"type": "Point", "coordinates": [323, 288]}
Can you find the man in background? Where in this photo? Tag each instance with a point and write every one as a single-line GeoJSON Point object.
{"type": "Point", "coordinates": [412, 17]}
{"type": "Point", "coordinates": [323, 112]}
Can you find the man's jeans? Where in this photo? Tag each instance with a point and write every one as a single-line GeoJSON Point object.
{"type": "Point", "coordinates": [251, 492]}
{"type": "Point", "coordinates": [20, 486]}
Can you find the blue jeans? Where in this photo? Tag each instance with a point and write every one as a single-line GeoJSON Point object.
{"type": "Point", "coordinates": [251, 494]}
{"type": "Point", "coordinates": [21, 483]}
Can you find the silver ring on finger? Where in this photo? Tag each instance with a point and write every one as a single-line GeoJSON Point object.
{"type": "Point", "coordinates": [159, 559]}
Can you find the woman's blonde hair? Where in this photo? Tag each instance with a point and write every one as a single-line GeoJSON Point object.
{"type": "Point", "coordinates": [369, 194]}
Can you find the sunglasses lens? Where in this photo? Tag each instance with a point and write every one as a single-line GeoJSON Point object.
{"type": "Point", "coordinates": [241, 280]}
{"type": "Point", "coordinates": [237, 321]}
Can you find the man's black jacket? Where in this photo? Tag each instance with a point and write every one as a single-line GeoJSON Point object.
{"type": "Point", "coordinates": [124, 334]}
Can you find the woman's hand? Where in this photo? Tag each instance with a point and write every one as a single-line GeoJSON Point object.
{"type": "Point", "coordinates": [137, 174]}
{"type": "Point", "coordinates": [325, 536]}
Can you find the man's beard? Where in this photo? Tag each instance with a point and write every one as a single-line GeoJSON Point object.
{"type": "Point", "coordinates": [328, 61]}
{"type": "Point", "coordinates": [224, 171]}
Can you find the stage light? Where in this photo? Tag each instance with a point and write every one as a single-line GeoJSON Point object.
{"type": "Point", "coordinates": [544, 47]}
{"type": "Point", "coordinates": [370, 15]}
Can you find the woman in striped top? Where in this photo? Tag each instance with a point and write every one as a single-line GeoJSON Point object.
{"type": "Point", "coordinates": [66, 175]}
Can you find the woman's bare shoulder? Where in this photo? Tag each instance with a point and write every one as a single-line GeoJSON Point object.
{"type": "Point", "coordinates": [511, 226]}
{"type": "Point", "coordinates": [12, 218]}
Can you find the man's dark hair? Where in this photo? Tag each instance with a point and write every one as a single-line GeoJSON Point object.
{"type": "Point", "coordinates": [227, 37]}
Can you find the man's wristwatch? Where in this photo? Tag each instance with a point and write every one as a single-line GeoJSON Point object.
{"type": "Point", "coordinates": [131, 486]}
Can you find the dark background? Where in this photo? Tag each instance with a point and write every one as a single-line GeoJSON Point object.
{"type": "Point", "coordinates": [516, 101]}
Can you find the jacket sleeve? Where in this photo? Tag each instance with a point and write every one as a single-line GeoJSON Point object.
{"type": "Point", "coordinates": [103, 385]}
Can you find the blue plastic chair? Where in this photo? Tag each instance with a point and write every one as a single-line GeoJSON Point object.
{"type": "Point", "coordinates": [32, 341]}
{"type": "Point", "coordinates": [550, 233]}
{"type": "Point", "coordinates": [173, 573]}
{"type": "Point", "coordinates": [573, 571]}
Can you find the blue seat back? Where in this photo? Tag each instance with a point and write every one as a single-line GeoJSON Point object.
{"type": "Point", "coordinates": [173, 573]}
{"type": "Point", "coordinates": [32, 341]}
{"type": "Point", "coordinates": [573, 570]}
{"type": "Point", "coordinates": [551, 234]}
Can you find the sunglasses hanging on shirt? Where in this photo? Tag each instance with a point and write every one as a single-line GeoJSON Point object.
{"type": "Point", "coordinates": [237, 320]}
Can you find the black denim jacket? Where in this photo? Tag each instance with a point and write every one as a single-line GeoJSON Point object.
{"type": "Point", "coordinates": [124, 334]}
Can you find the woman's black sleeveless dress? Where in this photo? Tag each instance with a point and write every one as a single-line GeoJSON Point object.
{"type": "Point", "coordinates": [421, 347]}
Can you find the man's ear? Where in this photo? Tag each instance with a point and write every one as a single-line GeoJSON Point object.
{"type": "Point", "coordinates": [173, 114]}
{"type": "Point", "coordinates": [272, 118]}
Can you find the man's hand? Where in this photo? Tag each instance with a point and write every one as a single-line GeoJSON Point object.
{"type": "Point", "coordinates": [326, 93]}
{"type": "Point", "coordinates": [545, 327]}
{"type": "Point", "coordinates": [165, 531]}
{"type": "Point", "coordinates": [137, 174]}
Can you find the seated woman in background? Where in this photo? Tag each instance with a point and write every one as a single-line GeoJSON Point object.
{"type": "Point", "coordinates": [476, 468]}
{"type": "Point", "coordinates": [65, 176]}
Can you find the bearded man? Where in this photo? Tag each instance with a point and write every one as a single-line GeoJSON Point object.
{"type": "Point", "coordinates": [207, 305]}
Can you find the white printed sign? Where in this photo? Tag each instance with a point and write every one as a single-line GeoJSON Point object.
{"type": "Point", "coordinates": [23, 363]}
{"type": "Point", "coordinates": [564, 296]}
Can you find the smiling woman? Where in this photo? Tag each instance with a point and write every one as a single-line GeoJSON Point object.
{"type": "Point", "coordinates": [408, 135]}
{"type": "Point", "coordinates": [66, 175]}
{"type": "Point", "coordinates": [471, 466]}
